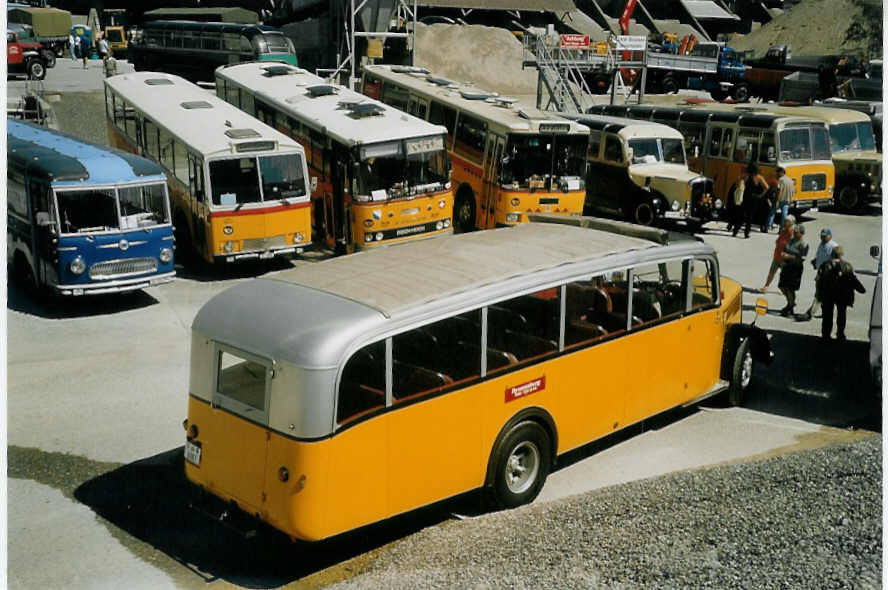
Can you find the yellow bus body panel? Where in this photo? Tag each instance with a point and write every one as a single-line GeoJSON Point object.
{"type": "Point", "coordinates": [400, 214]}
{"type": "Point", "coordinates": [273, 228]}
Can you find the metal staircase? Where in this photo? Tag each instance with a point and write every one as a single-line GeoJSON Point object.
{"type": "Point", "coordinates": [561, 72]}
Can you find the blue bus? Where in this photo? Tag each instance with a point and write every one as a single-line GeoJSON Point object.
{"type": "Point", "coordinates": [84, 219]}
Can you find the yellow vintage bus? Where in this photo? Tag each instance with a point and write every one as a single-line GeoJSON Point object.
{"type": "Point", "coordinates": [382, 176]}
{"type": "Point", "coordinates": [239, 189]}
{"type": "Point", "coordinates": [366, 386]}
{"type": "Point", "coordinates": [722, 141]}
{"type": "Point", "coordinates": [508, 162]}
{"type": "Point", "coordinates": [853, 144]}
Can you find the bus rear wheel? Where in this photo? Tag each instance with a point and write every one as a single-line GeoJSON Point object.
{"type": "Point", "coordinates": [741, 373]}
{"type": "Point", "coordinates": [522, 463]}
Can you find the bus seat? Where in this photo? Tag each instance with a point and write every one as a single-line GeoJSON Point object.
{"type": "Point", "coordinates": [357, 399]}
{"type": "Point", "coordinates": [581, 330]}
{"type": "Point", "coordinates": [582, 297]}
{"type": "Point", "coordinates": [409, 380]}
{"type": "Point", "coordinates": [417, 347]}
{"type": "Point", "coordinates": [504, 318]}
{"type": "Point", "coordinates": [496, 358]}
{"type": "Point", "coordinates": [525, 346]}
{"type": "Point", "coordinates": [454, 330]}
{"type": "Point", "coordinates": [643, 305]}
{"type": "Point", "coordinates": [612, 321]}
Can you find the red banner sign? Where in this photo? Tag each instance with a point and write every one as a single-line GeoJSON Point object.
{"type": "Point", "coordinates": [525, 389]}
{"type": "Point", "coordinates": [574, 41]}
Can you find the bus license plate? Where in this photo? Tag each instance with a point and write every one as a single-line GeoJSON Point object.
{"type": "Point", "coordinates": [266, 254]}
{"type": "Point", "coordinates": [192, 452]}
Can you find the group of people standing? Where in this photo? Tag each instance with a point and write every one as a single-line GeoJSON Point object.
{"type": "Point", "coordinates": [753, 200]}
{"type": "Point", "coordinates": [82, 44]}
{"type": "Point", "coordinates": [835, 282]}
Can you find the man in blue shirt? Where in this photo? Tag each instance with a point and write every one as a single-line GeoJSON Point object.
{"type": "Point", "coordinates": [824, 254]}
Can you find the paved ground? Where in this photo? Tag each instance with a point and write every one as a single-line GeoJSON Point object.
{"type": "Point", "coordinates": [97, 392]}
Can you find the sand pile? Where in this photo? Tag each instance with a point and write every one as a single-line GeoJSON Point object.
{"type": "Point", "coordinates": [488, 57]}
{"type": "Point", "coordinates": [822, 27]}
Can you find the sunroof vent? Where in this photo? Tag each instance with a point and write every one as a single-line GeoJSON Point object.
{"type": "Point", "coordinates": [503, 101]}
{"type": "Point", "coordinates": [366, 109]}
{"type": "Point", "coordinates": [409, 70]}
{"type": "Point", "coordinates": [158, 82]}
{"type": "Point", "coordinates": [196, 104]}
{"type": "Point", "coordinates": [241, 133]}
{"type": "Point", "coordinates": [322, 90]}
{"type": "Point", "coordinates": [476, 94]}
{"type": "Point", "coordinates": [271, 71]}
{"type": "Point", "coordinates": [440, 81]}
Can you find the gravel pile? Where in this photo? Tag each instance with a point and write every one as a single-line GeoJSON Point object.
{"type": "Point", "coordinates": [807, 520]}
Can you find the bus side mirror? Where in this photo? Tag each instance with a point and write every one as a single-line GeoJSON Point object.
{"type": "Point", "coordinates": [875, 250]}
{"type": "Point", "coordinates": [43, 219]}
{"type": "Point", "coordinates": [314, 183]}
{"type": "Point", "coordinates": [772, 153]}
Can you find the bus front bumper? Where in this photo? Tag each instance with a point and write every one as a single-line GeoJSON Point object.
{"type": "Point", "coordinates": [264, 254]}
{"type": "Point", "coordinates": [805, 204]}
{"type": "Point", "coordinates": [121, 286]}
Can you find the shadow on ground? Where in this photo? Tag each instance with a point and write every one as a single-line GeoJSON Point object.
{"type": "Point", "coordinates": [148, 500]}
{"type": "Point", "coordinates": [57, 308]}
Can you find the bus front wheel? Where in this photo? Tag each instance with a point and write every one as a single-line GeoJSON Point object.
{"type": "Point", "coordinates": [523, 461]}
{"type": "Point", "coordinates": [741, 373]}
{"type": "Point", "coordinates": [848, 199]}
{"type": "Point", "coordinates": [644, 214]}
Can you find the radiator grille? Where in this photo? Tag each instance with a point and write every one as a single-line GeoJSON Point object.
{"type": "Point", "coordinates": [268, 243]}
{"type": "Point", "coordinates": [115, 269]}
{"type": "Point", "coordinates": [813, 182]}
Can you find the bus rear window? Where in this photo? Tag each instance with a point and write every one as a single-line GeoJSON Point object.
{"type": "Point", "coordinates": [242, 380]}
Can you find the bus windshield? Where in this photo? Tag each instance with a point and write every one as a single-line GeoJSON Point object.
{"type": "Point", "coordinates": [652, 150]}
{"type": "Point", "coordinates": [852, 137]}
{"type": "Point", "coordinates": [235, 181]}
{"type": "Point", "coordinates": [401, 175]}
{"type": "Point", "coordinates": [804, 143]}
{"type": "Point", "coordinates": [93, 210]}
{"type": "Point", "coordinates": [532, 159]}
{"type": "Point", "coordinates": [277, 43]}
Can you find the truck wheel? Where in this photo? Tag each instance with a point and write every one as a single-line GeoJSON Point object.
{"type": "Point", "coordinates": [741, 373]}
{"type": "Point", "coordinates": [50, 57]}
{"type": "Point", "coordinates": [644, 214]}
{"type": "Point", "coordinates": [740, 92]}
{"type": "Point", "coordinates": [36, 69]}
{"type": "Point", "coordinates": [848, 199]}
{"type": "Point", "coordinates": [669, 85]}
{"type": "Point", "coordinates": [521, 464]}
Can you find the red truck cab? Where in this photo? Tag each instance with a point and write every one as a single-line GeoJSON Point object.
{"type": "Point", "coordinates": [24, 58]}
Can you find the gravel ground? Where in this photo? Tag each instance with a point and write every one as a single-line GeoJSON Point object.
{"type": "Point", "coordinates": [806, 520]}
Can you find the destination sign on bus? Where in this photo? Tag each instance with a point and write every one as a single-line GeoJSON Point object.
{"type": "Point", "coordinates": [424, 144]}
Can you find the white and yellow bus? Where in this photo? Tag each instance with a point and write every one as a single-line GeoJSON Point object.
{"type": "Point", "coordinates": [383, 176]}
{"type": "Point", "coordinates": [365, 386]}
{"type": "Point", "coordinates": [721, 142]}
{"type": "Point", "coordinates": [508, 162]}
{"type": "Point", "coordinates": [239, 189]}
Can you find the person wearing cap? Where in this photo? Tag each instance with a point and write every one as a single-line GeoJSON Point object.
{"type": "Point", "coordinates": [785, 192]}
{"type": "Point", "coordinates": [823, 255]}
{"type": "Point", "coordinates": [836, 283]}
{"type": "Point", "coordinates": [794, 253]}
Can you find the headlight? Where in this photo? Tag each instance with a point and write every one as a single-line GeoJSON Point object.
{"type": "Point", "coordinates": [512, 217]}
{"type": "Point", "coordinates": [515, 202]}
{"type": "Point", "coordinates": [165, 255]}
{"type": "Point", "coordinates": [439, 225]}
{"type": "Point", "coordinates": [442, 203]}
{"type": "Point", "coordinates": [77, 266]}
{"type": "Point", "coordinates": [447, 222]}
{"type": "Point", "coordinates": [298, 238]}
{"type": "Point", "coordinates": [447, 186]}
{"type": "Point", "coordinates": [368, 237]}
{"type": "Point", "coordinates": [229, 247]}
{"type": "Point", "coordinates": [676, 205]}
{"type": "Point", "coordinates": [718, 203]}
{"type": "Point", "coordinates": [379, 236]}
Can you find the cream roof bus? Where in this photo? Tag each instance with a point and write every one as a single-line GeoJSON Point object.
{"type": "Point", "coordinates": [858, 164]}
{"type": "Point", "coordinates": [239, 189]}
{"type": "Point", "coordinates": [368, 385]}
{"type": "Point", "coordinates": [382, 176]}
{"type": "Point", "coordinates": [508, 162]}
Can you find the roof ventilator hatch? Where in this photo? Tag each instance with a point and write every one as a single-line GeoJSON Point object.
{"type": "Point", "coordinates": [196, 104]}
{"type": "Point", "coordinates": [158, 82]}
{"type": "Point", "coordinates": [241, 133]}
{"type": "Point", "coordinates": [364, 109]}
{"type": "Point", "coordinates": [272, 71]}
{"type": "Point", "coordinates": [476, 94]}
{"type": "Point", "coordinates": [409, 70]}
{"type": "Point", "coordinates": [322, 90]}
{"type": "Point", "coordinates": [505, 102]}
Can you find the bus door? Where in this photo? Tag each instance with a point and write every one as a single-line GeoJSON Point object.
{"type": "Point", "coordinates": [339, 214]}
{"type": "Point", "coordinates": [418, 106]}
{"type": "Point", "coordinates": [198, 206]}
{"type": "Point", "coordinates": [42, 229]}
{"type": "Point", "coordinates": [493, 157]}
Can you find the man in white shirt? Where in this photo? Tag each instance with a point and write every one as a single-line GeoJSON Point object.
{"type": "Point", "coordinates": [824, 254]}
{"type": "Point", "coordinates": [785, 191]}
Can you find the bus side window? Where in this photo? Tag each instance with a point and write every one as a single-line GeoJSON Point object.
{"type": "Point", "coordinates": [362, 385]}
{"type": "Point", "coordinates": [246, 103]}
{"type": "Point", "coordinates": [747, 146]}
{"type": "Point", "coordinates": [109, 105]}
{"type": "Point", "coordinates": [658, 291]}
{"type": "Point", "coordinates": [595, 145]}
{"type": "Point", "coordinates": [394, 95]}
{"type": "Point", "coordinates": [443, 115]}
{"type": "Point", "coordinates": [119, 112]}
{"type": "Point", "coordinates": [613, 149]}
{"type": "Point", "coordinates": [727, 143]}
{"type": "Point", "coordinates": [195, 177]}
{"type": "Point", "coordinates": [705, 284]}
{"type": "Point", "coordinates": [715, 141]}
{"type": "Point", "coordinates": [523, 329]}
{"type": "Point", "coordinates": [768, 151]}
{"type": "Point", "coordinates": [595, 307]}
{"type": "Point", "coordinates": [232, 95]}
{"type": "Point", "coordinates": [167, 156]}
{"type": "Point", "coordinates": [151, 139]}
{"type": "Point", "coordinates": [16, 196]}
{"type": "Point", "coordinates": [470, 134]}
{"type": "Point", "coordinates": [180, 157]}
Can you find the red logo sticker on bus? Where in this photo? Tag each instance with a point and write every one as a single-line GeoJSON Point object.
{"type": "Point", "coordinates": [525, 389]}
